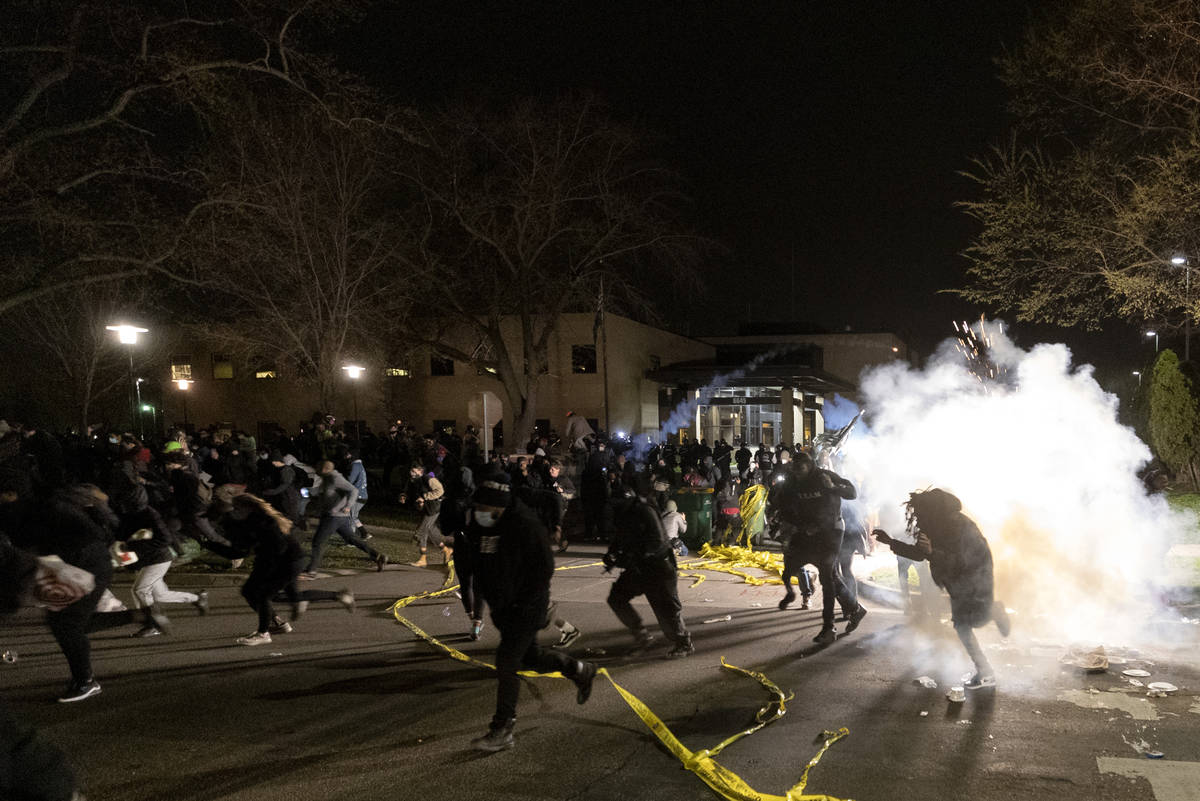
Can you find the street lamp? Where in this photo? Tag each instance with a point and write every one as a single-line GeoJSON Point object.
{"type": "Point", "coordinates": [1138, 373]}
{"type": "Point", "coordinates": [1182, 261]}
{"type": "Point", "coordinates": [128, 335]}
{"type": "Point", "coordinates": [355, 372]}
{"type": "Point", "coordinates": [1155, 335]}
{"type": "Point", "coordinates": [183, 384]}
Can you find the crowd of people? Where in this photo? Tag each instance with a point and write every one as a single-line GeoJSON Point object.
{"type": "Point", "coordinates": [83, 505]}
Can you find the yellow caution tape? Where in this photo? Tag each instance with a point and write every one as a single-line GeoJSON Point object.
{"type": "Point", "coordinates": [753, 504]}
{"type": "Point", "coordinates": [725, 782]}
{"type": "Point", "coordinates": [699, 578]}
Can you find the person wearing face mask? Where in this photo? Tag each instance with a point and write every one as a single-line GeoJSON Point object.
{"type": "Point", "coordinates": [513, 568]}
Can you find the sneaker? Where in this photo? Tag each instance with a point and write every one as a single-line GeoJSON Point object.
{"type": "Point", "coordinates": [308, 575]}
{"type": "Point", "coordinates": [346, 599]}
{"type": "Point", "coordinates": [380, 561]}
{"type": "Point", "coordinates": [78, 692]}
{"type": "Point", "coordinates": [282, 627]}
{"type": "Point", "coordinates": [566, 637]}
{"type": "Point", "coordinates": [585, 674]}
{"type": "Point", "coordinates": [977, 682]}
{"type": "Point", "coordinates": [806, 601]}
{"type": "Point", "coordinates": [255, 638]}
{"type": "Point", "coordinates": [298, 609]}
{"type": "Point", "coordinates": [787, 601]}
{"type": "Point", "coordinates": [642, 639]}
{"type": "Point", "coordinates": [681, 650]}
{"type": "Point", "coordinates": [562, 546]}
{"type": "Point", "coordinates": [146, 631]}
{"type": "Point", "coordinates": [155, 619]}
{"type": "Point", "coordinates": [201, 602]}
{"type": "Point", "coordinates": [497, 739]}
{"type": "Point", "coordinates": [476, 629]}
{"type": "Point", "coordinates": [828, 634]}
{"type": "Point", "coordinates": [855, 618]}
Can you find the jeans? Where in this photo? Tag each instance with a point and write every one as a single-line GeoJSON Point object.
{"type": "Point", "coordinates": [344, 526]}
{"type": "Point", "coordinates": [822, 549]}
{"type": "Point", "coordinates": [149, 587]}
{"type": "Point", "coordinates": [428, 532]}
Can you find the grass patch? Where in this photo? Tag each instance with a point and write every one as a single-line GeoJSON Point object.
{"type": "Point", "coordinates": [1187, 502]}
{"type": "Point", "coordinates": [391, 529]}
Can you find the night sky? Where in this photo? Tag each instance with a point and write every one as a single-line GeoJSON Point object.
{"type": "Point", "coordinates": [824, 135]}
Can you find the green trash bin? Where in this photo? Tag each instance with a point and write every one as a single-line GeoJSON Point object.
{"type": "Point", "coordinates": [696, 505]}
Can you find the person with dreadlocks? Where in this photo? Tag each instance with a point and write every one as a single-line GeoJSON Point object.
{"type": "Point", "coordinates": [961, 563]}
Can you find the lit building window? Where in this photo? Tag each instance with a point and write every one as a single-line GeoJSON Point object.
{"type": "Point", "coordinates": [264, 374]}
{"type": "Point", "coordinates": [181, 368]}
{"type": "Point", "coordinates": [222, 366]}
{"type": "Point", "coordinates": [396, 372]}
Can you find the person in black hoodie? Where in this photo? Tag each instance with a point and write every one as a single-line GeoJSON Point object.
{"type": "Point", "coordinates": [810, 510]}
{"type": "Point", "coordinates": [514, 565]}
{"type": "Point", "coordinates": [280, 488]}
{"type": "Point", "coordinates": [961, 563]}
{"type": "Point", "coordinates": [647, 561]}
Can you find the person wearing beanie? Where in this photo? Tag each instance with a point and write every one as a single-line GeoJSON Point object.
{"type": "Point", "coordinates": [514, 565]}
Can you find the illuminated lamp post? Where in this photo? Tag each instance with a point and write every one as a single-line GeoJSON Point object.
{"type": "Point", "coordinates": [184, 384]}
{"type": "Point", "coordinates": [128, 335]}
{"type": "Point", "coordinates": [1138, 373]}
{"type": "Point", "coordinates": [1155, 335]}
{"type": "Point", "coordinates": [355, 372]}
{"type": "Point", "coordinates": [1182, 261]}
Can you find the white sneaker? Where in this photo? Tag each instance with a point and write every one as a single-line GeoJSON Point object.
{"type": "Point", "coordinates": [976, 682]}
{"type": "Point", "coordinates": [256, 638]}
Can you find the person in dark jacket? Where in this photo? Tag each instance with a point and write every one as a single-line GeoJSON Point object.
{"type": "Point", "coordinates": [278, 559]}
{"type": "Point", "coordinates": [514, 566]}
{"type": "Point", "coordinates": [280, 489]}
{"type": "Point", "coordinates": [641, 550]}
{"type": "Point", "coordinates": [31, 769]}
{"type": "Point", "coordinates": [809, 503]}
{"type": "Point", "coordinates": [75, 525]}
{"type": "Point", "coordinates": [961, 563]}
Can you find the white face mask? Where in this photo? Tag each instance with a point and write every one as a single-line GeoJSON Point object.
{"type": "Point", "coordinates": [487, 519]}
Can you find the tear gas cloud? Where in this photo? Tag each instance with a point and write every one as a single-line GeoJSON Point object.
{"type": "Point", "coordinates": [1041, 463]}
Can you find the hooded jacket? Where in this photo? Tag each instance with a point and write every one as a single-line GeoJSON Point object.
{"type": "Point", "coordinates": [514, 565]}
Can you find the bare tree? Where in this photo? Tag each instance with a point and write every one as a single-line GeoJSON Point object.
{"type": "Point", "coordinates": [299, 262]}
{"type": "Point", "coordinates": [530, 212]}
{"type": "Point", "coordinates": [97, 127]}
{"type": "Point", "coordinates": [69, 354]}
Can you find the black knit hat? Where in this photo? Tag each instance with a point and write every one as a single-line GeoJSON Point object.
{"type": "Point", "coordinates": [494, 488]}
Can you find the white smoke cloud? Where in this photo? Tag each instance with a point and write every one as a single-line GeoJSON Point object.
{"type": "Point", "coordinates": [1041, 463]}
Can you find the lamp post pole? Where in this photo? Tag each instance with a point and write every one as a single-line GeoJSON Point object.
{"type": "Point", "coordinates": [183, 385]}
{"type": "Point", "coordinates": [1186, 264]}
{"type": "Point", "coordinates": [128, 335]}
{"type": "Point", "coordinates": [355, 372]}
{"type": "Point", "coordinates": [1155, 335]}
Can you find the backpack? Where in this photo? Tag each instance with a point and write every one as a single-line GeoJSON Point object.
{"type": "Point", "coordinates": [303, 476]}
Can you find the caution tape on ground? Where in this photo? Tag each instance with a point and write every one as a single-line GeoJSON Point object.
{"type": "Point", "coordinates": [723, 781]}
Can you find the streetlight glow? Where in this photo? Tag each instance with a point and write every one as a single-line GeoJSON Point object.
{"type": "Point", "coordinates": [183, 383]}
{"type": "Point", "coordinates": [1179, 261]}
{"type": "Point", "coordinates": [354, 370]}
{"type": "Point", "coordinates": [127, 334]}
{"type": "Point", "coordinates": [1151, 333]}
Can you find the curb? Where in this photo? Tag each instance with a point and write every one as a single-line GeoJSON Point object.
{"type": "Point", "coordinates": [877, 593]}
